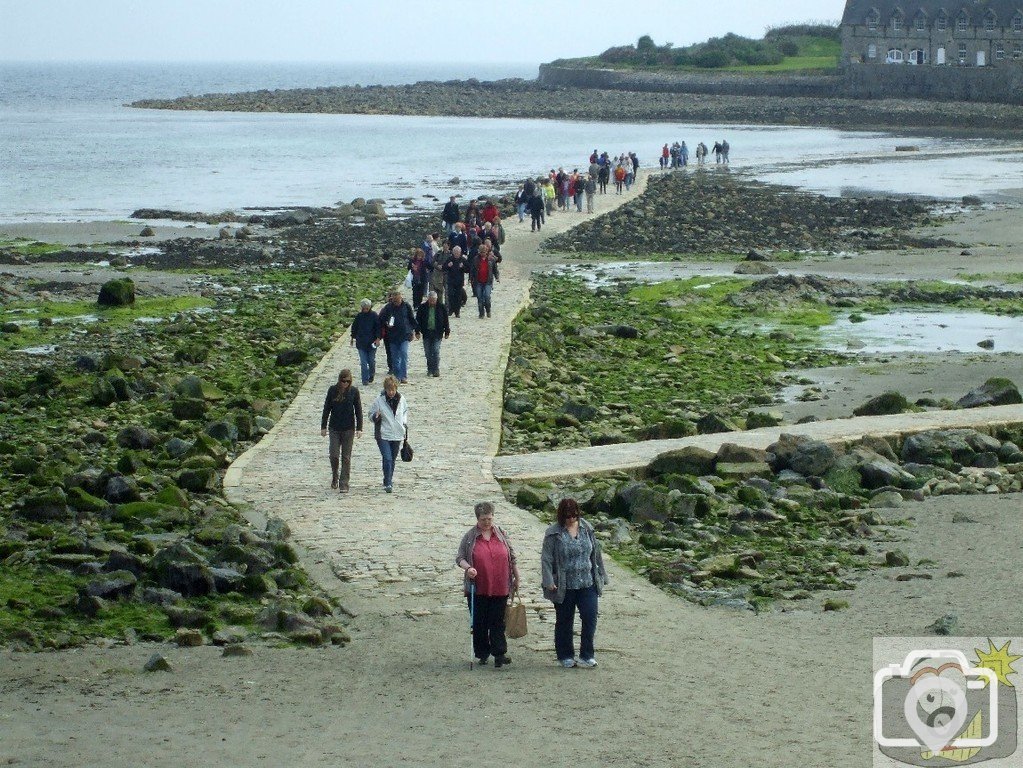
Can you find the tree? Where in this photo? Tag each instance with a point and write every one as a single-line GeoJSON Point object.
{"type": "Point", "coordinates": [645, 44]}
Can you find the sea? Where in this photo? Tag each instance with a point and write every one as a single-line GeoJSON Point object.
{"type": "Point", "coordinates": [71, 149]}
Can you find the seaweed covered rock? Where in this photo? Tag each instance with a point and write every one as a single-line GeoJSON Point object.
{"type": "Point", "coordinates": [883, 405]}
{"type": "Point", "coordinates": [117, 293]}
{"type": "Point", "coordinates": [994, 391]}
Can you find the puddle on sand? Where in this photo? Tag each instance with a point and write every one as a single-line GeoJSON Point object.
{"type": "Point", "coordinates": [611, 272]}
{"type": "Point", "coordinates": [925, 331]}
{"type": "Point", "coordinates": [41, 351]}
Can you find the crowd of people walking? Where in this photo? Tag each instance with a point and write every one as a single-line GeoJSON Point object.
{"type": "Point", "coordinates": [443, 272]}
{"type": "Point", "coordinates": [677, 155]}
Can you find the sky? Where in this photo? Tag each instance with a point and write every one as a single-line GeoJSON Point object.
{"type": "Point", "coordinates": [374, 30]}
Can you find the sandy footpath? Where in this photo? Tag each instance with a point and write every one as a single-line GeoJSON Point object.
{"type": "Point", "coordinates": [677, 684]}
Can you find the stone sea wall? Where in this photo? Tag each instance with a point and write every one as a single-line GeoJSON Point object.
{"type": "Point", "coordinates": [951, 84]}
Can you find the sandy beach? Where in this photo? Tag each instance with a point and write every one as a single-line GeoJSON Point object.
{"type": "Point", "coordinates": [677, 684]}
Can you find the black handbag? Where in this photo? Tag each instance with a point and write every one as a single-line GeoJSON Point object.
{"type": "Point", "coordinates": [406, 449]}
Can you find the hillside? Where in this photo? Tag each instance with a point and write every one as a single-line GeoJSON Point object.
{"type": "Point", "coordinates": [788, 49]}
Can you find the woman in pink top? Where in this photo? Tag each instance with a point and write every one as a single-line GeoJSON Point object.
{"type": "Point", "coordinates": [487, 557]}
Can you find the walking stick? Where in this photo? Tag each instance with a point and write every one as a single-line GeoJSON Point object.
{"type": "Point", "coordinates": [472, 622]}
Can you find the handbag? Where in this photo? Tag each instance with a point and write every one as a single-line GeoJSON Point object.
{"type": "Point", "coordinates": [406, 449]}
{"type": "Point", "coordinates": [515, 617]}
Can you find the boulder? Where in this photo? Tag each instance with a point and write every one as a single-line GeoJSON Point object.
{"type": "Point", "coordinates": [157, 663]}
{"type": "Point", "coordinates": [580, 411]}
{"type": "Point", "coordinates": [188, 638]}
{"type": "Point", "coordinates": [121, 490]}
{"type": "Point", "coordinates": [942, 448]}
{"type": "Point", "coordinates": [291, 357]}
{"type": "Point", "coordinates": [224, 431]}
{"type": "Point", "coordinates": [197, 388]}
{"type": "Point", "coordinates": [648, 504]}
{"type": "Point", "coordinates": [883, 405]}
{"type": "Point", "coordinates": [713, 423]}
{"type": "Point", "coordinates": [877, 472]}
{"type": "Point", "coordinates": [201, 480]}
{"type": "Point", "coordinates": [45, 506]}
{"type": "Point", "coordinates": [112, 586]}
{"type": "Point", "coordinates": [531, 498]}
{"type": "Point", "coordinates": [231, 635]}
{"type": "Point", "coordinates": [188, 408]}
{"type": "Point", "coordinates": [742, 470]}
{"type": "Point", "coordinates": [690, 460]}
{"type": "Point", "coordinates": [755, 268]}
{"type": "Point", "coordinates": [136, 437]}
{"type": "Point", "coordinates": [801, 454]}
{"type": "Point", "coordinates": [117, 293]}
{"type": "Point", "coordinates": [180, 568]}
{"type": "Point", "coordinates": [731, 452]}
{"type": "Point", "coordinates": [147, 232]}
{"type": "Point", "coordinates": [995, 391]}
{"type": "Point", "coordinates": [759, 419]}
{"type": "Point", "coordinates": [518, 405]}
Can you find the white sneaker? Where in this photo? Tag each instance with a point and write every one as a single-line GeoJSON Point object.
{"type": "Point", "coordinates": [587, 663]}
{"type": "Point", "coordinates": [568, 663]}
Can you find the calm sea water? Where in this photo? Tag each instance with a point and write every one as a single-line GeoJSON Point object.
{"type": "Point", "coordinates": [70, 149]}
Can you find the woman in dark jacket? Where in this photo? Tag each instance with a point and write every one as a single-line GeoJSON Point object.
{"type": "Point", "coordinates": [342, 412]}
{"type": "Point", "coordinates": [572, 570]}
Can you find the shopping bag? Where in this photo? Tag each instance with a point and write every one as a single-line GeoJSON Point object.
{"type": "Point", "coordinates": [515, 618]}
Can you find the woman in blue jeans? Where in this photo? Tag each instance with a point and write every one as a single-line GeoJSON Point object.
{"type": "Point", "coordinates": [389, 413]}
{"type": "Point", "coordinates": [573, 574]}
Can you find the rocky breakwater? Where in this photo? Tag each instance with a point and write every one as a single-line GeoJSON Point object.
{"type": "Point", "coordinates": [708, 212]}
{"type": "Point", "coordinates": [529, 99]}
{"type": "Point", "coordinates": [747, 528]}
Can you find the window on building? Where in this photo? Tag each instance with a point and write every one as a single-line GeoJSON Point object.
{"type": "Point", "coordinates": [896, 23]}
{"type": "Point", "coordinates": [917, 56]}
{"type": "Point", "coordinates": [1017, 23]}
{"type": "Point", "coordinates": [942, 23]}
{"type": "Point", "coordinates": [962, 53]}
{"type": "Point", "coordinates": [921, 22]}
{"type": "Point", "coordinates": [1017, 52]}
{"type": "Point", "coordinates": [999, 52]}
{"type": "Point", "coordinates": [873, 19]}
{"type": "Point", "coordinates": [939, 59]}
{"type": "Point", "coordinates": [871, 51]}
{"type": "Point", "coordinates": [895, 56]}
{"type": "Point", "coordinates": [962, 23]}
{"type": "Point", "coordinates": [989, 22]}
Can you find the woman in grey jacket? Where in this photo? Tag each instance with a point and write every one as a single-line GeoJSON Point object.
{"type": "Point", "coordinates": [573, 574]}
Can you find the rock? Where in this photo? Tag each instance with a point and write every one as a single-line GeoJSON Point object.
{"type": "Point", "coordinates": [531, 498]}
{"type": "Point", "coordinates": [812, 458]}
{"type": "Point", "coordinates": [188, 408]}
{"type": "Point", "coordinates": [690, 460]}
{"type": "Point", "coordinates": [82, 500]}
{"type": "Point", "coordinates": [713, 423]}
{"type": "Point", "coordinates": [518, 405]}
{"type": "Point", "coordinates": [45, 506]}
{"type": "Point", "coordinates": [721, 565]}
{"type": "Point", "coordinates": [994, 391]}
{"type": "Point", "coordinates": [188, 638]}
{"type": "Point", "coordinates": [180, 616]}
{"type": "Point", "coordinates": [122, 560]}
{"type": "Point", "coordinates": [236, 651]}
{"type": "Point", "coordinates": [227, 580]}
{"type": "Point", "coordinates": [147, 232]}
{"type": "Point", "coordinates": [886, 500]}
{"type": "Point", "coordinates": [112, 586]}
{"type": "Point", "coordinates": [742, 470]}
{"type": "Point", "coordinates": [199, 389]}
{"type": "Point", "coordinates": [223, 431]}
{"type": "Point", "coordinates": [755, 268]}
{"type": "Point", "coordinates": [121, 490]}
{"type": "Point", "coordinates": [291, 357]}
{"type": "Point", "coordinates": [172, 496]}
{"type": "Point", "coordinates": [946, 625]}
{"type": "Point", "coordinates": [877, 471]}
{"type": "Point", "coordinates": [620, 533]}
{"type": "Point", "coordinates": [180, 568]}
{"type": "Point", "coordinates": [942, 448]}
{"type": "Point", "coordinates": [317, 607]}
{"type": "Point", "coordinates": [580, 411]}
{"type": "Point", "coordinates": [833, 604]}
{"type": "Point", "coordinates": [117, 293]}
{"type": "Point", "coordinates": [731, 452]}
{"type": "Point", "coordinates": [136, 437]}
{"type": "Point", "coordinates": [752, 255]}
{"type": "Point", "coordinates": [243, 233]}
{"type": "Point", "coordinates": [157, 663]}
{"type": "Point", "coordinates": [971, 200]}
{"type": "Point", "coordinates": [231, 635]}
{"type": "Point", "coordinates": [986, 344]}
{"type": "Point", "coordinates": [883, 405]}
{"type": "Point", "coordinates": [102, 392]}
{"type": "Point", "coordinates": [759, 419]}
{"type": "Point", "coordinates": [896, 558]}
{"type": "Point", "coordinates": [224, 233]}
{"type": "Point", "coordinates": [648, 504]}
{"type": "Point", "coordinates": [277, 529]}
{"type": "Point", "coordinates": [197, 480]}
{"type": "Point", "coordinates": [10, 327]}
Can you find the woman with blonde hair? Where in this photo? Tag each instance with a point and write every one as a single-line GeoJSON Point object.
{"type": "Point", "coordinates": [342, 408]}
{"type": "Point", "coordinates": [389, 413]}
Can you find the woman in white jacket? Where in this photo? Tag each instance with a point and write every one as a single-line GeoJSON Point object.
{"type": "Point", "coordinates": [389, 413]}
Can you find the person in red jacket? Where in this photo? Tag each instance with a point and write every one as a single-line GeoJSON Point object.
{"type": "Point", "coordinates": [490, 211]}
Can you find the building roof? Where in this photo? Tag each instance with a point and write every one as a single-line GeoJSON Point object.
{"type": "Point", "coordinates": [856, 10]}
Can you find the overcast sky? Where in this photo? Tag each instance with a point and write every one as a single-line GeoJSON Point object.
{"type": "Point", "coordinates": [374, 30]}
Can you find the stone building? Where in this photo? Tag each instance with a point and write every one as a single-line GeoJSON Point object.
{"type": "Point", "coordinates": [937, 33]}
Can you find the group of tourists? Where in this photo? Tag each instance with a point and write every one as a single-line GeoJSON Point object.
{"type": "Point", "coordinates": [677, 155]}
{"type": "Point", "coordinates": [443, 271]}
{"type": "Point", "coordinates": [571, 572]}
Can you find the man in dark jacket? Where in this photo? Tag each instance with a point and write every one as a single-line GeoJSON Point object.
{"type": "Point", "coordinates": [455, 267]}
{"type": "Point", "coordinates": [432, 320]}
{"type": "Point", "coordinates": [365, 332]}
{"type": "Point", "coordinates": [397, 326]}
{"type": "Point", "coordinates": [450, 215]}
{"type": "Point", "coordinates": [536, 208]}
{"type": "Point", "coordinates": [458, 238]}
